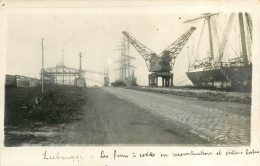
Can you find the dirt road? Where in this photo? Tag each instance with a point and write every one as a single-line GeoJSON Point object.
{"type": "Point", "coordinates": [122, 116]}
{"type": "Point", "coordinates": [112, 120]}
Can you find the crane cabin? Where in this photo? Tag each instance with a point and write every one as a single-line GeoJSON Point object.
{"type": "Point", "coordinates": [160, 64]}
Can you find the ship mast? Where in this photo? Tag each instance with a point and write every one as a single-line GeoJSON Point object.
{"type": "Point", "coordinates": [207, 16]}
{"type": "Point", "coordinates": [210, 39]}
{"type": "Point", "coordinates": [243, 38]}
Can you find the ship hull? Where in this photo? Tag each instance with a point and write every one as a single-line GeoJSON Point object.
{"type": "Point", "coordinates": [233, 77]}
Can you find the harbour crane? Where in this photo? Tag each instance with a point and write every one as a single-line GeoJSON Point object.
{"type": "Point", "coordinates": [160, 65]}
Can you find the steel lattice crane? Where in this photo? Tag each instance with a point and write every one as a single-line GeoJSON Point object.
{"type": "Point", "coordinates": [160, 66]}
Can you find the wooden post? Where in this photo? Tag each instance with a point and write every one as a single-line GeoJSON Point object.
{"type": "Point", "coordinates": [62, 67]}
{"type": "Point", "coordinates": [42, 68]}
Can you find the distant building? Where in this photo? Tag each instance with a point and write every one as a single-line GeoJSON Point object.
{"type": "Point", "coordinates": [10, 80]}
{"type": "Point", "coordinates": [80, 82]}
{"type": "Point", "coordinates": [21, 81]}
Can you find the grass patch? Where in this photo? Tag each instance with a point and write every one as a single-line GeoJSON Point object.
{"type": "Point", "coordinates": [30, 107]}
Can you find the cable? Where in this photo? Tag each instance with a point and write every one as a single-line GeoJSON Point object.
{"type": "Point", "coordinates": [227, 40]}
{"type": "Point", "coordinates": [199, 40]}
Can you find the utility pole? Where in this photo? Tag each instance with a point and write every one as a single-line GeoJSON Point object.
{"type": "Point", "coordinates": [80, 65]}
{"type": "Point", "coordinates": [42, 67]}
{"type": "Point", "coordinates": [62, 67]}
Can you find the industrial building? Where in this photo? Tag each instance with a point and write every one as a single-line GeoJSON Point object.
{"type": "Point", "coordinates": [21, 81]}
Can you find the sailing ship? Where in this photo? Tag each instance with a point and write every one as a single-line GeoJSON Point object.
{"type": "Point", "coordinates": [227, 62]}
{"type": "Point", "coordinates": [126, 75]}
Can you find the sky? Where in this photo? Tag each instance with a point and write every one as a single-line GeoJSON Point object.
{"type": "Point", "coordinates": [96, 36]}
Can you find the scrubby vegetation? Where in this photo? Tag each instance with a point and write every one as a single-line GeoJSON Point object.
{"type": "Point", "coordinates": [29, 107]}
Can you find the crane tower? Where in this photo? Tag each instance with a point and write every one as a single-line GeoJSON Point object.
{"type": "Point", "coordinates": [160, 66]}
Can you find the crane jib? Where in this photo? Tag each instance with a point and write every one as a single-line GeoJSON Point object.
{"type": "Point", "coordinates": [163, 62]}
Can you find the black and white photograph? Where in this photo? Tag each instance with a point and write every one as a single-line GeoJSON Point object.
{"type": "Point", "coordinates": [94, 79]}
{"type": "Point", "coordinates": [86, 79]}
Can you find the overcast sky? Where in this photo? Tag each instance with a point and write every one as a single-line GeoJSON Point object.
{"type": "Point", "coordinates": [96, 36]}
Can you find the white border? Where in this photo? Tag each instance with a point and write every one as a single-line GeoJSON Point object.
{"type": "Point", "coordinates": [33, 155]}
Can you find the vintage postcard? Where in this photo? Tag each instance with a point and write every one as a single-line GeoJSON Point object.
{"type": "Point", "coordinates": [135, 83]}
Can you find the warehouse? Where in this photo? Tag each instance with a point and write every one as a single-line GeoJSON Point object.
{"type": "Point", "coordinates": [21, 81]}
